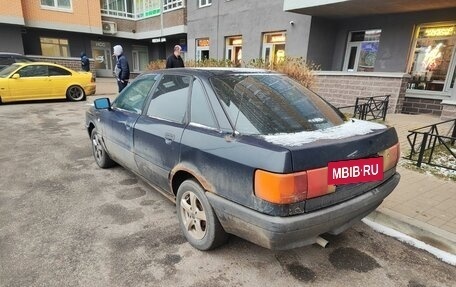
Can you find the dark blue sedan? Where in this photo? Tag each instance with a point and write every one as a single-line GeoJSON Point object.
{"type": "Point", "coordinates": [246, 152]}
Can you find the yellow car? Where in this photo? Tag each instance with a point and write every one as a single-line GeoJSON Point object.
{"type": "Point", "coordinates": [42, 81]}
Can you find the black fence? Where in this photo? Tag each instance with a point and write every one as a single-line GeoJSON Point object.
{"type": "Point", "coordinates": [369, 108]}
{"type": "Point", "coordinates": [434, 145]}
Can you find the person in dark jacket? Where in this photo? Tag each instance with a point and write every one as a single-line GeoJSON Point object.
{"type": "Point", "coordinates": [122, 69]}
{"type": "Point", "coordinates": [85, 63]}
{"type": "Point", "coordinates": [175, 60]}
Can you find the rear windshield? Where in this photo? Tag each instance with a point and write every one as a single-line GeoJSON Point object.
{"type": "Point", "coordinates": [270, 104]}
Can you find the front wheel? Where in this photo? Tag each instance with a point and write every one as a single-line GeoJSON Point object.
{"type": "Point", "coordinates": [99, 153]}
{"type": "Point", "coordinates": [75, 93]}
{"type": "Point", "coordinates": [197, 219]}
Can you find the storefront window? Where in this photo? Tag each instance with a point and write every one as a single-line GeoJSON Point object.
{"type": "Point", "coordinates": [234, 50]}
{"type": "Point", "coordinates": [274, 47]}
{"type": "Point", "coordinates": [361, 51]}
{"type": "Point", "coordinates": [202, 49]}
{"type": "Point", "coordinates": [432, 58]}
{"type": "Point", "coordinates": [54, 47]}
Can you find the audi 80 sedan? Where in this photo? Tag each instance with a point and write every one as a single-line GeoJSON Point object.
{"type": "Point", "coordinates": [246, 152]}
{"type": "Point", "coordinates": [44, 81]}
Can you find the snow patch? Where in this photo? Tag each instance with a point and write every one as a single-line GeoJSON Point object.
{"type": "Point", "coordinates": [353, 127]}
{"type": "Point", "coordinates": [440, 254]}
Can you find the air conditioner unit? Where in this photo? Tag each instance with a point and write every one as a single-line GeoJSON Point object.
{"type": "Point", "coordinates": [109, 27]}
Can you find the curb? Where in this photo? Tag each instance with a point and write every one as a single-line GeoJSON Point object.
{"type": "Point", "coordinates": [421, 231]}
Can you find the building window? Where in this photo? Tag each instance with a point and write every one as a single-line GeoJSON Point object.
{"type": "Point", "coordinates": [61, 4]}
{"type": "Point", "coordinates": [137, 9]}
{"type": "Point", "coordinates": [432, 63]}
{"type": "Point", "coordinates": [169, 5]}
{"type": "Point", "coordinates": [233, 51]}
{"type": "Point", "coordinates": [204, 3]}
{"type": "Point", "coordinates": [147, 8]}
{"type": "Point", "coordinates": [117, 8]}
{"type": "Point", "coordinates": [274, 47]}
{"type": "Point", "coordinates": [54, 47]}
{"type": "Point", "coordinates": [362, 51]}
{"type": "Point", "coordinates": [202, 49]}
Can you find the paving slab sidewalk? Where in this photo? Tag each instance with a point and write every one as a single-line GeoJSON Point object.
{"type": "Point", "coordinates": [422, 206]}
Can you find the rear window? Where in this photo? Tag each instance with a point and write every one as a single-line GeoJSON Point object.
{"type": "Point", "coordinates": [270, 104]}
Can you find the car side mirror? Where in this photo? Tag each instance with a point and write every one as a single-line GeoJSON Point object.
{"type": "Point", "coordinates": [102, 104]}
{"type": "Point", "coordinates": [15, 76]}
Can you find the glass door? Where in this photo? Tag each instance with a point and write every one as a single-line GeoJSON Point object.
{"type": "Point", "coordinates": [101, 53]}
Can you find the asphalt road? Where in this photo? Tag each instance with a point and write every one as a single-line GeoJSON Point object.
{"type": "Point", "coordinates": [65, 222]}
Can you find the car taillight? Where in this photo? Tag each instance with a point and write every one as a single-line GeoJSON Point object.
{"type": "Point", "coordinates": [293, 187]}
{"type": "Point", "coordinates": [390, 157]}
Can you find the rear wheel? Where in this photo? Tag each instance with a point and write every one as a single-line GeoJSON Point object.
{"type": "Point", "coordinates": [99, 153]}
{"type": "Point", "coordinates": [197, 219]}
{"type": "Point", "coordinates": [75, 93]}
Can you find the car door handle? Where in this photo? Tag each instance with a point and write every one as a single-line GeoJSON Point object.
{"type": "Point", "coordinates": [169, 138]}
{"type": "Point", "coordinates": [128, 126]}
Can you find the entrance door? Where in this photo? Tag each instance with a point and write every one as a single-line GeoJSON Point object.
{"type": "Point", "coordinates": [101, 53]}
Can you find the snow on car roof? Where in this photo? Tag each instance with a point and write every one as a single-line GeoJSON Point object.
{"type": "Point", "coordinates": [353, 127]}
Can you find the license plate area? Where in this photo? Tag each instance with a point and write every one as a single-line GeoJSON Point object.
{"type": "Point", "coordinates": [355, 171]}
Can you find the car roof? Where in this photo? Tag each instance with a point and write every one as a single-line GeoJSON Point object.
{"type": "Point", "coordinates": [22, 64]}
{"type": "Point", "coordinates": [12, 54]}
{"type": "Point", "coordinates": [212, 71]}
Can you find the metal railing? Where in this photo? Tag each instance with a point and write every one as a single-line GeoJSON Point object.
{"type": "Point", "coordinates": [437, 140]}
{"type": "Point", "coordinates": [369, 108]}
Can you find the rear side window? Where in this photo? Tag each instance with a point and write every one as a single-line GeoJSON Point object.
{"type": "Point", "coordinates": [170, 98]}
{"type": "Point", "coordinates": [270, 104]}
{"type": "Point", "coordinates": [201, 113]}
{"type": "Point", "coordinates": [56, 71]}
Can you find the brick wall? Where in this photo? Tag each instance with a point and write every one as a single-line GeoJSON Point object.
{"type": "Point", "coordinates": [342, 89]}
{"type": "Point", "coordinates": [448, 112]}
{"type": "Point", "coordinates": [72, 63]}
{"type": "Point", "coordinates": [124, 25]}
{"type": "Point", "coordinates": [422, 106]}
{"type": "Point", "coordinates": [174, 18]}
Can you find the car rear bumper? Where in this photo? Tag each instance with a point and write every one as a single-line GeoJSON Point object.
{"type": "Point", "coordinates": [90, 89]}
{"type": "Point", "coordinates": [275, 232]}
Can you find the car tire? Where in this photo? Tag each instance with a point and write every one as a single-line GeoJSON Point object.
{"type": "Point", "coordinates": [75, 93]}
{"type": "Point", "coordinates": [99, 153]}
{"type": "Point", "coordinates": [197, 219]}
